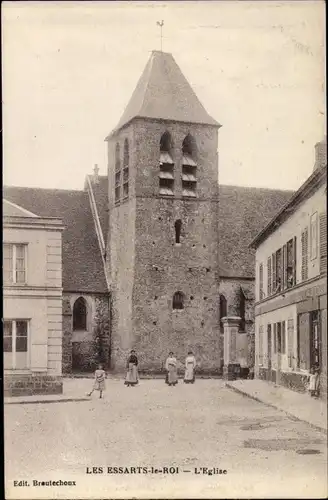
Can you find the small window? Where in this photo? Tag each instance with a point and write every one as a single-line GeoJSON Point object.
{"type": "Point", "coordinates": [189, 167]}
{"type": "Point", "coordinates": [178, 300]}
{"type": "Point", "coordinates": [166, 165]}
{"type": "Point", "coordinates": [126, 169]}
{"type": "Point", "coordinates": [126, 158]}
{"type": "Point", "coordinates": [14, 263]}
{"type": "Point", "coordinates": [117, 158]}
{"type": "Point", "coordinates": [177, 227]}
{"type": "Point", "coordinates": [223, 306]}
{"type": "Point", "coordinates": [118, 176]}
{"type": "Point", "coordinates": [80, 314]}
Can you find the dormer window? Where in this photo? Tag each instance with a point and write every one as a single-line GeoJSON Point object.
{"type": "Point", "coordinates": [189, 167]}
{"type": "Point", "coordinates": [166, 165]}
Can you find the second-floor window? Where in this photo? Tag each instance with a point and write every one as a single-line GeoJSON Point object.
{"type": "Point", "coordinates": [14, 263]}
{"type": "Point", "coordinates": [281, 268]}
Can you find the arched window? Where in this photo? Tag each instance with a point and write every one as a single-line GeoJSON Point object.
{"type": "Point", "coordinates": [80, 314]}
{"type": "Point", "coordinates": [126, 153]}
{"type": "Point", "coordinates": [178, 300]}
{"type": "Point", "coordinates": [177, 227]}
{"type": "Point", "coordinates": [223, 306]}
{"type": "Point", "coordinates": [126, 160]}
{"type": "Point", "coordinates": [165, 143]}
{"type": "Point", "coordinates": [189, 167]}
{"type": "Point", "coordinates": [117, 174]}
{"type": "Point", "coordinates": [166, 177]}
{"type": "Point", "coordinates": [242, 310]}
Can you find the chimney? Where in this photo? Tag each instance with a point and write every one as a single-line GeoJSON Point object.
{"type": "Point", "coordinates": [320, 154]}
{"type": "Point", "coordinates": [95, 177]}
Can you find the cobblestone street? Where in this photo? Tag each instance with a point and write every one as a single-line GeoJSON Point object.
{"type": "Point", "coordinates": [153, 425]}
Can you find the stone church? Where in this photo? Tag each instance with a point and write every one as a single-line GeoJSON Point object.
{"type": "Point", "coordinates": [156, 252]}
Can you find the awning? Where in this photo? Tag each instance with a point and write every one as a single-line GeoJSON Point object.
{"type": "Point", "coordinates": [187, 160]}
{"type": "Point", "coordinates": [188, 192]}
{"type": "Point", "coordinates": [165, 158]}
{"type": "Point", "coordinates": [165, 175]}
{"type": "Point", "coordinates": [166, 191]}
{"type": "Point", "coordinates": [189, 177]}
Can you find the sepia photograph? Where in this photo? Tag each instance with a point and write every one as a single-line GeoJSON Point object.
{"type": "Point", "coordinates": [164, 249]}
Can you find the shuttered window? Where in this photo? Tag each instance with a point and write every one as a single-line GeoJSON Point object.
{"type": "Point", "coordinates": [294, 262]}
{"type": "Point", "coordinates": [284, 267]}
{"type": "Point", "coordinates": [274, 284]}
{"type": "Point", "coordinates": [261, 282]}
{"type": "Point", "coordinates": [269, 267]}
{"type": "Point", "coordinates": [323, 242]}
{"type": "Point", "coordinates": [303, 341]}
{"type": "Point", "coordinates": [290, 342]}
{"type": "Point", "coordinates": [305, 256]}
{"type": "Point", "coordinates": [274, 338]}
{"type": "Point", "coordinates": [260, 344]}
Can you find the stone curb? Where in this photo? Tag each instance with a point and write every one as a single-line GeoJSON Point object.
{"type": "Point", "coordinates": [246, 394]}
{"type": "Point", "coordinates": [44, 401]}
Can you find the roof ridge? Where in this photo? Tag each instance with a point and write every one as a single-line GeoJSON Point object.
{"type": "Point", "coordinates": [258, 187]}
{"type": "Point", "coordinates": [45, 189]}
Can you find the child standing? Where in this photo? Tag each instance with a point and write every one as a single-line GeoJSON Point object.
{"type": "Point", "coordinates": [99, 384]}
{"type": "Point", "coordinates": [314, 382]}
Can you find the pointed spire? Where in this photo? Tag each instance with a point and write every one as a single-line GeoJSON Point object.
{"type": "Point", "coordinates": [164, 93]}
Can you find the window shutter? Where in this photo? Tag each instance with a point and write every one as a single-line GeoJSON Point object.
{"type": "Point", "coordinates": [290, 342]}
{"type": "Point", "coordinates": [294, 261]}
{"type": "Point", "coordinates": [323, 242]}
{"type": "Point", "coordinates": [305, 244]}
{"type": "Point", "coordinates": [284, 267]}
{"type": "Point", "coordinates": [261, 345]}
{"type": "Point", "coordinates": [269, 291]}
{"type": "Point", "coordinates": [274, 338]}
{"type": "Point", "coordinates": [283, 337]}
{"type": "Point", "coordinates": [304, 340]}
{"type": "Point", "coordinates": [261, 282]}
{"type": "Point", "coordinates": [274, 284]}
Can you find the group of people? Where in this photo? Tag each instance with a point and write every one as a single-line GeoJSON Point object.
{"type": "Point", "coordinates": [132, 379]}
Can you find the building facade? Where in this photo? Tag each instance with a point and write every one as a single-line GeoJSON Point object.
{"type": "Point", "coordinates": [291, 294]}
{"type": "Point", "coordinates": [32, 306]}
{"type": "Point", "coordinates": [163, 234]}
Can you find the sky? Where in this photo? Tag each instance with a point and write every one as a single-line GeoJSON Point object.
{"type": "Point", "coordinates": [69, 69]}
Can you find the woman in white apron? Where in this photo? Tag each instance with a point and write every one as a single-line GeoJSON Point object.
{"type": "Point", "coordinates": [171, 370]}
{"type": "Point", "coordinates": [190, 365]}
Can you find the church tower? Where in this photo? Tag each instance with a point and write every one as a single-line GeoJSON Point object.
{"type": "Point", "coordinates": [162, 251]}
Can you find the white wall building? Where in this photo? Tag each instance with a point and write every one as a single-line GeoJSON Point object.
{"type": "Point", "coordinates": [32, 276]}
{"type": "Point", "coordinates": [291, 297]}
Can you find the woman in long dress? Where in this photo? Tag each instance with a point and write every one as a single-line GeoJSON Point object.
{"type": "Point", "coordinates": [171, 370]}
{"type": "Point", "coordinates": [132, 367]}
{"type": "Point", "coordinates": [190, 365]}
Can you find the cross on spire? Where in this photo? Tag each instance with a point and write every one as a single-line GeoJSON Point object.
{"type": "Point", "coordinates": [161, 24]}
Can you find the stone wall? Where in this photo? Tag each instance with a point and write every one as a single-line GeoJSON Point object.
{"type": "Point", "coordinates": [32, 384]}
{"type": "Point", "coordinates": [147, 266]}
{"type": "Point", "coordinates": [80, 349]}
{"type": "Point", "coordinates": [230, 288]}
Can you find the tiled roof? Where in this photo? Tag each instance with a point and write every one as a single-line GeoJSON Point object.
{"type": "Point", "coordinates": [163, 93]}
{"type": "Point", "coordinates": [244, 211]}
{"type": "Point", "coordinates": [82, 264]}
